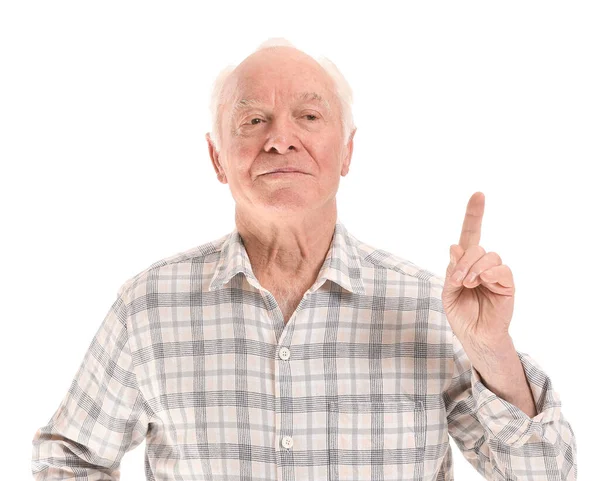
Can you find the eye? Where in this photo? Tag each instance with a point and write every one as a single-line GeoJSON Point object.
{"type": "Point", "coordinates": [252, 120]}
{"type": "Point", "coordinates": [311, 115]}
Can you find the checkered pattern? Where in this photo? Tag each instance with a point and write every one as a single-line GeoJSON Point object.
{"type": "Point", "coordinates": [190, 358]}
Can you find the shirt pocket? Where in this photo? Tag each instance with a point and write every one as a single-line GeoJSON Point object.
{"type": "Point", "coordinates": [382, 440]}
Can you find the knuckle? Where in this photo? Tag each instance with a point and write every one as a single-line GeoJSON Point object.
{"type": "Point", "coordinates": [476, 251]}
{"type": "Point", "coordinates": [495, 256]}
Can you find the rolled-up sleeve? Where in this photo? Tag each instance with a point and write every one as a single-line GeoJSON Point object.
{"type": "Point", "coordinates": [500, 440]}
{"type": "Point", "coordinates": [102, 416]}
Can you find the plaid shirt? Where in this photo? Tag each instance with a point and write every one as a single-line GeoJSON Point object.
{"type": "Point", "coordinates": [365, 382]}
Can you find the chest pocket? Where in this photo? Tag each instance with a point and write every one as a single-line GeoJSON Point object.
{"type": "Point", "coordinates": [382, 440]}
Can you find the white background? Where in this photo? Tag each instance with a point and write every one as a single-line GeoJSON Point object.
{"type": "Point", "coordinates": [105, 169]}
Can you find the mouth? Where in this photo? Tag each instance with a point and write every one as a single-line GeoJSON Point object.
{"type": "Point", "coordinates": [283, 172]}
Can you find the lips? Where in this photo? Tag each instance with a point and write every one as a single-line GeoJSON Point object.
{"type": "Point", "coordinates": [284, 170]}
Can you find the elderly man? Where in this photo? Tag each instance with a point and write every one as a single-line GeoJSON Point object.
{"type": "Point", "coordinates": [288, 349]}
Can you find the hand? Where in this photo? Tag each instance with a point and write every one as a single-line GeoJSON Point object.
{"type": "Point", "coordinates": [479, 311]}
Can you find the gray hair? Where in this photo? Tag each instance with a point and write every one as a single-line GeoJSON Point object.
{"type": "Point", "coordinates": [342, 91]}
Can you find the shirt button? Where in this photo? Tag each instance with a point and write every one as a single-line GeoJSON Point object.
{"type": "Point", "coordinates": [287, 442]}
{"type": "Point", "coordinates": [284, 353]}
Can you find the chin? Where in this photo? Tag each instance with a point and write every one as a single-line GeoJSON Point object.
{"type": "Point", "coordinates": [287, 203]}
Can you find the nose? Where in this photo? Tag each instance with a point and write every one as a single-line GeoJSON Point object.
{"type": "Point", "coordinates": [281, 139]}
{"type": "Point", "coordinates": [278, 147]}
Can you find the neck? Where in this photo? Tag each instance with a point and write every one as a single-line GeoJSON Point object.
{"type": "Point", "coordinates": [287, 245]}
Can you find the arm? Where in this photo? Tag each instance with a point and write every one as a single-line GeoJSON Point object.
{"type": "Point", "coordinates": [497, 438]}
{"type": "Point", "coordinates": [102, 416]}
{"type": "Point", "coordinates": [501, 371]}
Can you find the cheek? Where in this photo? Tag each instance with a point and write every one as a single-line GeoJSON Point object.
{"type": "Point", "coordinates": [241, 163]}
{"type": "Point", "coordinates": [246, 147]}
{"type": "Point", "coordinates": [329, 157]}
{"type": "Point", "coordinates": [332, 144]}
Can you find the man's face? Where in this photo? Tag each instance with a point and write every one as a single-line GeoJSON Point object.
{"type": "Point", "coordinates": [272, 120]}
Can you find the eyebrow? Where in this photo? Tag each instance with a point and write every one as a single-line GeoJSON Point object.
{"type": "Point", "coordinates": [243, 103]}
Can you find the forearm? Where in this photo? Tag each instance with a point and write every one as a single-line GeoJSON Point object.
{"type": "Point", "coordinates": [502, 373]}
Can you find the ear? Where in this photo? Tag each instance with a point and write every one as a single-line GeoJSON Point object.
{"type": "Point", "coordinates": [348, 158]}
{"type": "Point", "coordinates": [214, 157]}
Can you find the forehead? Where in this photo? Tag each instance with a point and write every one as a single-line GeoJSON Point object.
{"type": "Point", "coordinates": [248, 101]}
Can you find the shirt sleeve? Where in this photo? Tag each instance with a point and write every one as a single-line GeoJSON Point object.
{"type": "Point", "coordinates": [500, 440]}
{"type": "Point", "coordinates": [102, 416]}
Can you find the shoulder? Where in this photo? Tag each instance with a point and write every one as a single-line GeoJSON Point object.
{"type": "Point", "coordinates": [204, 256]}
{"type": "Point", "coordinates": [396, 266]}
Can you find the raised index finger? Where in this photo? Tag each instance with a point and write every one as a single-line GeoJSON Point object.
{"type": "Point", "coordinates": [471, 229]}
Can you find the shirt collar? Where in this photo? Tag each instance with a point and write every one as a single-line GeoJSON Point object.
{"type": "Point", "coordinates": [342, 264]}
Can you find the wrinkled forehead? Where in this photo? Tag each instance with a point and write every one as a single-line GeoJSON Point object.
{"type": "Point", "coordinates": [296, 84]}
{"type": "Point", "coordinates": [245, 101]}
